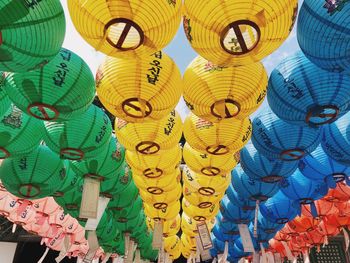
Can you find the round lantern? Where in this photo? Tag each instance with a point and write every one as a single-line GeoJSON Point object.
{"type": "Point", "coordinates": [237, 200]}
{"type": "Point", "coordinates": [150, 137]}
{"type": "Point", "coordinates": [159, 199]}
{"type": "Point", "coordinates": [343, 208]}
{"type": "Point", "coordinates": [226, 136]}
{"type": "Point", "coordinates": [277, 139]}
{"type": "Point", "coordinates": [323, 209]}
{"type": "Point", "coordinates": [164, 214]}
{"type": "Point", "coordinates": [335, 140]}
{"type": "Point", "coordinates": [223, 236]}
{"type": "Point", "coordinates": [252, 189]}
{"type": "Point", "coordinates": [69, 181]}
{"type": "Point", "coordinates": [172, 246]}
{"type": "Point", "coordinates": [116, 183]}
{"type": "Point", "coordinates": [128, 226]}
{"type": "Point", "coordinates": [127, 28]}
{"type": "Point", "coordinates": [80, 138]}
{"type": "Point", "coordinates": [235, 213]}
{"type": "Point", "coordinates": [258, 167]}
{"type": "Point", "coordinates": [119, 201]}
{"type": "Point", "coordinates": [106, 227]}
{"type": "Point", "coordinates": [19, 133]}
{"type": "Point", "coordinates": [36, 175]}
{"type": "Point", "coordinates": [236, 33]}
{"type": "Point", "coordinates": [200, 213]}
{"type": "Point", "coordinates": [62, 90]}
{"type": "Point", "coordinates": [214, 93]}
{"type": "Point", "coordinates": [201, 196]}
{"type": "Point", "coordinates": [24, 36]}
{"type": "Point", "coordinates": [303, 94]}
{"type": "Point", "coordinates": [265, 225]}
{"type": "Point", "coordinates": [279, 209]}
{"type": "Point", "coordinates": [170, 228]}
{"type": "Point", "coordinates": [208, 164]}
{"type": "Point", "coordinates": [340, 194]}
{"type": "Point", "coordinates": [318, 166]}
{"type": "Point", "coordinates": [261, 236]}
{"type": "Point", "coordinates": [155, 165]}
{"type": "Point", "coordinates": [102, 166]}
{"type": "Point", "coordinates": [189, 225]}
{"type": "Point", "coordinates": [226, 225]}
{"type": "Point", "coordinates": [5, 101]}
{"type": "Point", "coordinates": [129, 212]}
{"type": "Point", "coordinates": [333, 17]}
{"type": "Point", "coordinates": [142, 89]}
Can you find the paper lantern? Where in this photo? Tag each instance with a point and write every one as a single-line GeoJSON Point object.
{"type": "Point", "coordinates": [323, 209]}
{"type": "Point", "coordinates": [214, 93]}
{"type": "Point", "coordinates": [124, 198]}
{"type": "Point", "coordinates": [167, 213]}
{"type": "Point", "coordinates": [19, 133]}
{"type": "Point", "coordinates": [129, 212]}
{"type": "Point", "coordinates": [195, 195]}
{"type": "Point", "coordinates": [138, 90]}
{"type": "Point", "coordinates": [301, 93]}
{"type": "Point", "coordinates": [117, 183]}
{"type": "Point", "coordinates": [150, 137]}
{"type": "Point", "coordinates": [227, 227]}
{"type": "Point", "coordinates": [172, 246]}
{"type": "Point", "coordinates": [154, 165]}
{"type": "Point", "coordinates": [200, 213]}
{"type": "Point", "coordinates": [170, 228]}
{"type": "Point", "coordinates": [251, 189]}
{"type": "Point", "coordinates": [24, 44]}
{"type": "Point", "coordinates": [126, 28]}
{"type": "Point", "coordinates": [314, 238]}
{"type": "Point", "coordinates": [62, 90]}
{"type": "Point", "coordinates": [279, 209]}
{"type": "Point", "coordinates": [258, 167]}
{"type": "Point", "coordinates": [226, 136]}
{"type": "Point", "coordinates": [261, 235]}
{"type": "Point", "coordinates": [236, 199]}
{"type": "Point", "coordinates": [238, 33]}
{"type": "Point", "coordinates": [267, 226]}
{"type": "Point", "coordinates": [223, 236]}
{"type": "Point", "coordinates": [333, 17]}
{"type": "Point", "coordinates": [318, 166]}
{"type": "Point", "coordinates": [208, 164]}
{"type": "Point", "coordinates": [161, 200]}
{"type": "Point", "coordinates": [33, 176]}
{"type": "Point", "coordinates": [127, 226]}
{"type": "Point", "coordinates": [235, 213]}
{"type": "Point", "coordinates": [327, 229]}
{"type": "Point", "coordinates": [102, 166]}
{"type": "Point", "coordinates": [66, 138]}
{"type": "Point", "coordinates": [69, 181]}
{"type": "Point", "coordinates": [343, 208]}
{"type": "Point", "coordinates": [189, 225]}
{"type": "Point", "coordinates": [335, 141]}
{"type": "Point", "coordinates": [277, 139]}
{"type": "Point", "coordinates": [5, 101]}
{"type": "Point", "coordinates": [340, 194]}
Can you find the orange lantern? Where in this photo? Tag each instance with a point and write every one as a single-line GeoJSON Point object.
{"type": "Point", "coordinates": [323, 208]}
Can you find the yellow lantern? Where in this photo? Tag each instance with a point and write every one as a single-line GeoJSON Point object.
{"type": "Point", "coordinates": [226, 136]}
{"type": "Point", "coordinates": [160, 199]}
{"type": "Point", "coordinates": [215, 93]}
{"type": "Point", "coordinates": [208, 164]}
{"type": "Point", "coordinates": [155, 165]}
{"type": "Point", "coordinates": [189, 242]}
{"type": "Point", "coordinates": [142, 89]}
{"type": "Point", "coordinates": [166, 214]}
{"type": "Point", "coordinates": [189, 226]}
{"type": "Point", "coordinates": [126, 27]}
{"type": "Point", "coordinates": [231, 32]}
{"type": "Point", "coordinates": [160, 184]}
{"type": "Point", "coordinates": [150, 137]}
{"type": "Point", "coordinates": [200, 200]}
{"type": "Point", "coordinates": [170, 227]}
{"type": "Point", "coordinates": [200, 214]}
{"type": "Point", "coordinates": [172, 246]}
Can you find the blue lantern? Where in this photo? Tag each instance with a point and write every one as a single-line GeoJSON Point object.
{"type": "Point", "coordinates": [251, 189]}
{"type": "Point", "coordinates": [279, 209]}
{"type": "Point", "coordinates": [235, 213]}
{"type": "Point", "coordinates": [277, 139]}
{"type": "Point", "coordinates": [262, 236]}
{"type": "Point", "coordinates": [336, 140]}
{"type": "Point", "coordinates": [324, 33]}
{"type": "Point", "coordinates": [223, 236]}
{"type": "Point", "coordinates": [319, 166]}
{"type": "Point", "coordinates": [227, 226]}
{"type": "Point", "coordinates": [258, 167]}
{"type": "Point", "coordinates": [267, 226]}
{"type": "Point", "coordinates": [239, 201]}
{"type": "Point", "coordinates": [303, 94]}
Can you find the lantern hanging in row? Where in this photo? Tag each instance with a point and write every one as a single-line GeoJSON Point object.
{"type": "Point", "coordinates": [301, 93]}
{"type": "Point", "coordinates": [19, 133]}
{"type": "Point", "coordinates": [189, 225]}
{"type": "Point", "coordinates": [118, 201]}
{"type": "Point", "coordinates": [236, 199]}
{"type": "Point", "coordinates": [201, 196]}
{"type": "Point", "coordinates": [226, 136]}
{"type": "Point", "coordinates": [214, 93]}
{"type": "Point", "coordinates": [166, 213]}
{"type": "Point", "coordinates": [172, 246]}
{"type": "Point", "coordinates": [127, 28]}
{"type": "Point", "coordinates": [340, 194]}
{"type": "Point", "coordinates": [259, 167]}
{"type": "Point", "coordinates": [138, 90]}
{"type": "Point", "coordinates": [238, 33]}
{"type": "Point", "coordinates": [150, 137]}
{"type": "Point", "coordinates": [79, 138]}
{"type": "Point", "coordinates": [235, 213]}
{"type": "Point", "coordinates": [170, 227]}
{"type": "Point", "coordinates": [36, 175]}
{"type": "Point", "coordinates": [333, 17]}
{"type": "Point", "coordinates": [323, 209]}
{"type": "Point", "coordinates": [200, 214]}
{"type": "Point", "coordinates": [61, 90]}
{"type": "Point", "coordinates": [25, 41]}
{"type": "Point", "coordinates": [277, 139]}
{"type": "Point", "coordinates": [160, 199]}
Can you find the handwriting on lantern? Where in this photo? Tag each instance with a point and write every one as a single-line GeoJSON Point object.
{"type": "Point", "coordinates": [170, 124]}
{"type": "Point", "coordinates": [32, 3]}
{"type": "Point", "coordinates": [155, 69]}
{"type": "Point", "coordinates": [62, 68]}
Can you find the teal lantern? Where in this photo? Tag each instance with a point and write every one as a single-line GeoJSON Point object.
{"type": "Point", "coordinates": [83, 137]}
{"type": "Point", "coordinates": [36, 175]}
{"type": "Point", "coordinates": [31, 33]}
{"type": "Point", "coordinates": [60, 91]}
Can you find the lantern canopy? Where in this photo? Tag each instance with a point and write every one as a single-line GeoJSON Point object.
{"type": "Point", "coordinates": [24, 44]}
{"type": "Point", "coordinates": [62, 90]}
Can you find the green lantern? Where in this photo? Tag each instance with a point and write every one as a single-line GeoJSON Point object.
{"type": "Point", "coordinates": [104, 165]}
{"type": "Point", "coordinates": [80, 138]}
{"type": "Point", "coordinates": [128, 226]}
{"type": "Point", "coordinates": [129, 212]}
{"type": "Point", "coordinates": [142, 234]}
{"type": "Point", "coordinates": [125, 198]}
{"type": "Point", "coordinates": [61, 90]}
{"type": "Point", "coordinates": [31, 33]}
{"type": "Point", "coordinates": [33, 176]}
{"type": "Point", "coordinates": [69, 182]}
{"type": "Point", "coordinates": [19, 133]}
{"type": "Point", "coordinates": [4, 98]}
{"type": "Point", "coordinates": [106, 228]}
{"type": "Point", "coordinates": [113, 245]}
{"type": "Point", "coordinates": [148, 253]}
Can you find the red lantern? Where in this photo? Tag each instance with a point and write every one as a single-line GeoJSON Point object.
{"type": "Point", "coordinates": [303, 224]}
{"type": "Point", "coordinates": [323, 208]}
{"type": "Point", "coordinates": [340, 194]}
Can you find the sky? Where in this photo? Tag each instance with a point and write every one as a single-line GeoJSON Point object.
{"type": "Point", "coordinates": [179, 49]}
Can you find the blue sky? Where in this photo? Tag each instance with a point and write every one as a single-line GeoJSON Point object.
{"type": "Point", "coordinates": [179, 49]}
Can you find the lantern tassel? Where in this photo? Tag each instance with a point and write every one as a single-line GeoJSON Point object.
{"type": "Point", "coordinates": [14, 227]}
{"type": "Point", "coordinates": [256, 218]}
{"type": "Point", "coordinates": [313, 210]}
{"type": "Point", "coordinates": [263, 253]}
{"type": "Point", "coordinates": [44, 255]}
{"type": "Point", "coordinates": [288, 252]}
{"type": "Point", "coordinates": [126, 243]}
{"type": "Point", "coordinates": [157, 235]}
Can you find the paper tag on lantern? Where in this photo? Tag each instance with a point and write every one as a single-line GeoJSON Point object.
{"type": "Point", "coordinates": [270, 258]}
{"type": "Point", "coordinates": [130, 252]}
{"type": "Point", "coordinates": [346, 238]}
{"type": "Point", "coordinates": [89, 257]}
{"type": "Point", "coordinates": [306, 257]}
{"type": "Point", "coordinates": [157, 240]}
{"type": "Point", "coordinates": [93, 241]}
{"type": "Point", "coordinates": [204, 236]}
{"type": "Point", "coordinates": [137, 256]}
{"type": "Point", "coordinates": [205, 253]}
{"type": "Point", "coordinates": [126, 243]}
{"type": "Point", "coordinates": [277, 258]}
{"type": "Point", "coordinates": [161, 255]}
{"type": "Point", "coordinates": [288, 252]}
{"type": "Point", "coordinates": [89, 200]}
{"type": "Point", "coordinates": [256, 258]}
{"type": "Point", "coordinates": [92, 223]}
{"type": "Point", "coordinates": [263, 253]}
{"type": "Point", "coordinates": [246, 238]}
